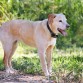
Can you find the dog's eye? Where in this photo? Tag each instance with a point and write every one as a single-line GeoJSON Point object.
{"type": "Point", "coordinates": [60, 20]}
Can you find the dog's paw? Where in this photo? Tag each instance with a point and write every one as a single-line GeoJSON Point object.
{"type": "Point", "coordinates": [47, 77]}
{"type": "Point", "coordinates": [14, 70]}
{"type": "Point", "coordinates": [11, 71]}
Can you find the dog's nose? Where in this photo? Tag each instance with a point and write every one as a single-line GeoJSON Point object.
{"type": "Point", "coordinates": [67, 25]}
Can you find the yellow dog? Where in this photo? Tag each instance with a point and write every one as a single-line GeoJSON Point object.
{"type": "Point", "coordinates": [39, 34]}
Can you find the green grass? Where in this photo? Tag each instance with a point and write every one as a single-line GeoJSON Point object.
{"type": "Point", "coordinates": [64, 61]}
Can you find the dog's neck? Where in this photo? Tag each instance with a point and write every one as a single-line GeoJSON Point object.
{"type": "Point", "coordinates": [51, 32]}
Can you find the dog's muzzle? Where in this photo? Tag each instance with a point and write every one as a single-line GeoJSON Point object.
{"type": "Point", "coordinates": [63, 32]}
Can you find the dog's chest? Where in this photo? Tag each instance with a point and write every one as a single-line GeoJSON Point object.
{"type": "Point", "coordinates": [52, 41]}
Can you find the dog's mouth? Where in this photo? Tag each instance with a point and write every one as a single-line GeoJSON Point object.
{"type": "Point", "coordinates": [63, 32]}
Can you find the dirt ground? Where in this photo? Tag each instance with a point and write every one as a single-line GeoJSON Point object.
{"type": "Point", "coordinates": [22, 78]}
{"type": "Point", "coordinates": [27, 78]}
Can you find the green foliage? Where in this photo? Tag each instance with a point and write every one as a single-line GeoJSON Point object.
{"type": "Point", "coordinates": [67, 60]}
{"type": "Point", "coordinates": [70, 59]}
{"type": "Point", "coordinates": [28, 65]}
{"type": "Point", "coordinates": [64, 62]}
{"type": "Point", "coordinates": [39, 9]}
{"type": "Point", "coordinates": [68, 63]}
{"type": "Point", "coordinates": [1, 64]}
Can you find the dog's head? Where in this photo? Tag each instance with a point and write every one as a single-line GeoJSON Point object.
{"type": "Point", "coordinates": [58, 23]}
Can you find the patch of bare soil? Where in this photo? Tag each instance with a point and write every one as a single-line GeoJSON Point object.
{"type": "Point", "coordinates": [26, 78]}
{"type": "Point", "coordinates": [22, 78]}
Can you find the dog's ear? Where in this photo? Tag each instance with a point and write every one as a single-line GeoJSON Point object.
{"type": "Point", "coordinates": [51, 17]}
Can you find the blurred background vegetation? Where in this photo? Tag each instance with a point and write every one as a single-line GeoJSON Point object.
{"type": "Point", "coordinates": [39, 9]}
{"type": "Point", "coordinates": [69, 55]}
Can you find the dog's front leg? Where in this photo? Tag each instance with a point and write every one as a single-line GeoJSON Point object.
{"type": "Point", "coordinates": [49, 58]}
{"type": "Point", "coordinates": [42, 56]}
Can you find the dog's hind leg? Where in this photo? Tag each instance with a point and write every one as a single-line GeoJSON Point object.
{"type": "Point", "coordinates": [14, 46]}
{"type": "Point", "coordinates": [8, 51]}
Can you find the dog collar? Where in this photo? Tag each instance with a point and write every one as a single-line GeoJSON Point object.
{"type": "Point", "coordinates": [51, 32]}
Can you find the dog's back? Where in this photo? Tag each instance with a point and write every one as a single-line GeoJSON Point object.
{"type": "Point", "coordinates": [23, 30]}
